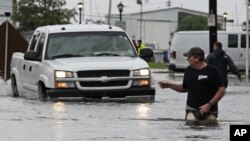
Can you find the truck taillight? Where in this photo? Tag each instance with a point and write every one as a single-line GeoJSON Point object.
{"type": "Point", "coordinates": [173, 55]}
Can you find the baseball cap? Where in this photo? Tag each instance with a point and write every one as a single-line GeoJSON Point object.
{"type": "Point", "coordinates": [195, 51]}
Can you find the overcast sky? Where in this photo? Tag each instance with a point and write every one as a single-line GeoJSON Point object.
{"type": "Point", "coordinates": [234, 8]}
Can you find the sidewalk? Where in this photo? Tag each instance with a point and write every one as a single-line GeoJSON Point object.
{"type": "Point", "coordinates": [160, 70]}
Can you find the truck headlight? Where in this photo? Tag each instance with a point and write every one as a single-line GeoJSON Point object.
{"type": "Point", "coordinates": [141, 82]}
{"type": "Point", "coordinates": [65, 85]}
{"type": "Point", "coordinates": [61, 83]}
{"type": "Point", "coordinates": [64, 74]}
{"type": "Point", "coordinates": [141, 72]}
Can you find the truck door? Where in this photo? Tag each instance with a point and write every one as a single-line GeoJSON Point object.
{"type": "Point", "coordinates": [233, 48]}
{"type": "Point", "coordinates": [243, 52]}
{"type": "Point", "coordinates": [27, 66]}
{"type": "Point", "coordinates": [35, 66]}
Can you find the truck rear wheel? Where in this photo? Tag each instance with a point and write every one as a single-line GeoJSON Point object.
{"type": "Point", "coordinates": [42, 95]}
{"type": "Point", "coordinates": [14, 86]}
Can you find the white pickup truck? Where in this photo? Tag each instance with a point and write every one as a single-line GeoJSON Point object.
{"type": "Point", "coordinates": [90, 61]}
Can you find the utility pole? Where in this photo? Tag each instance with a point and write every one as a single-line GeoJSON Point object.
{"type": "Point", "coordinates": [212, 23]}
{"type": "Point", "coordinates": [169, 3]}
{"type": "Point", "coordinates": [14, 5]}
{"type": "Point", "coordinates": [110, 4]}
{"type": "Point", "coordinates": [7, 14]}
{"type": "Point", "coordinates": [247, 39]}
{"type": "Point", "coordinates": [140, 3]}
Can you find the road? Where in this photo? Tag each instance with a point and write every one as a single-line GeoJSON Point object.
{"type": "Point", "coordinates": [28, 119]}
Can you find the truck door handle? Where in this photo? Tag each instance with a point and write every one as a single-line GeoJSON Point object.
{"type": "Point", "coordinates": [30, 68]}
{"type": "Point", "coordinates": [241, 54]}
{"type": "Point", "coordinates": [24, 66]}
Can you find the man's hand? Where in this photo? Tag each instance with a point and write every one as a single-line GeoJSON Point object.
{"type": "Point", "coordinates": [162, 84]}
{"type": "Point", "coordinates": [205, 108]}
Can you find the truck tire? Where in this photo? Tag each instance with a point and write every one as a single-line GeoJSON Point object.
{"type": "Point", "coordinates": [14, 86]}
{"type": "Point", "coordinates": [42, 95]}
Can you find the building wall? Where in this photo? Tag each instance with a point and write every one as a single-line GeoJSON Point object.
{"type": "Point", "coordinates": [5, 6]}
{"type": "Point", "coordinates": [157, 25]}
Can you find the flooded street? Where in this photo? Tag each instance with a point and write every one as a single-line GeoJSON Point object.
{"type": "Point", "coordinates": [24, 119]}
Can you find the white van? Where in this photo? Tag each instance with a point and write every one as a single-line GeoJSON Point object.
{"type": "Point", "coordinates": [234, 44]}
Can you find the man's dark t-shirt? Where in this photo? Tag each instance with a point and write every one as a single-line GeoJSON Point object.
{"type": "Point", "coordinates": [201, 85]}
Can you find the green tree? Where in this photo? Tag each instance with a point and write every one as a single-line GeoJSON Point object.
{"type": "Point", "coordinates": [194, 23]}
{"type": "Point", "coordinates": [30, 14]}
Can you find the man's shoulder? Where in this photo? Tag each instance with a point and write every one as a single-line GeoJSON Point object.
{"type": "Point", "coordinates": [211, 55]}
{"type": "Point", "coordinates": [227, 56]}
{"type": "Point", "coordinates": [212, 68]}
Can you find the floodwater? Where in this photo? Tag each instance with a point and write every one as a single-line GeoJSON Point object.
{"type": "Point", "coordinates": [25, 119]}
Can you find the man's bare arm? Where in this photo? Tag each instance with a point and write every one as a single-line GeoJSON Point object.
{"type": "Point", "coordinates": [173, 86]}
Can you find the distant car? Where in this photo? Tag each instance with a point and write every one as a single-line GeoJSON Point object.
{"type": "Point", "coordinates": [27, 35]}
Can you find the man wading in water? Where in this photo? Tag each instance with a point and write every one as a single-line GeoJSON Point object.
{"type": "Point", "coordinates": [203, 84]}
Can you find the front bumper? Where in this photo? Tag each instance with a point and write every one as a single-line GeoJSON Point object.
{"type": "Point", "coordinates": [117, 93]}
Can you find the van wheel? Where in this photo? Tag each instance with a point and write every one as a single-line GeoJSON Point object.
{"type": "Point", "coordinates": [14, 86]}
{"type": "Point", "coordinates": [42, 95]}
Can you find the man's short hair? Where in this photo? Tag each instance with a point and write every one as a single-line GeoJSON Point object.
{"type": "Point", "coordinates": [218, 45]}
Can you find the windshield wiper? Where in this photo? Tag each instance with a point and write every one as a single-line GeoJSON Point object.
{"type": "Point", "coordinates": [66, 56]}
{"type": "Point", "coordinates": [104, 54]}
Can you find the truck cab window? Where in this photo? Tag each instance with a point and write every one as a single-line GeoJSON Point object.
{"type": "Point", "coordinates": [34, 41]}
{"type": "Point", "coordinates": [40, 45]}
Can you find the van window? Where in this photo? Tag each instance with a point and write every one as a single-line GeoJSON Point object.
{"type": "Point", "coordinates": [243, 41]}
{"type": "Point", "coordinates": [232, 41]}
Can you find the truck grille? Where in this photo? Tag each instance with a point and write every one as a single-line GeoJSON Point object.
{"type": "Point", "coordinates": [101, 73]}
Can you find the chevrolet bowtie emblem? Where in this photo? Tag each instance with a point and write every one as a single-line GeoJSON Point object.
{"type": "Point", "coordinates": [104, 79]}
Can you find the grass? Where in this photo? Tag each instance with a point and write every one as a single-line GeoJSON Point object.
{"type": "Point", "coordinates": [154, 65]}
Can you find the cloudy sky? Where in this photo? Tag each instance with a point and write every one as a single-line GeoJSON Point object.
{"type": "Point", "coordinates": [236, 9]}
{"type": "Point", "coordinates": [98, 8]}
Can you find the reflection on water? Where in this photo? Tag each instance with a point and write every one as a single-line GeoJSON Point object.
{"type": "Point", "coordinates": [59, 127]}
{"type": "Point", "coordinates": [143, 110]}
{"type": "Point", "coordinates": [202, 124]}
{"type": "Point", "coordinates": [59, 131]}
{"type": "Point", "coordinates": [199, 130]}
{"type": "Point", "coordinates": [58, 107]}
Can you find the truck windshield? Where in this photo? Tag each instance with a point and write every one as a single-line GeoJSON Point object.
{"type": "Point", "coordinates": [76, 44]}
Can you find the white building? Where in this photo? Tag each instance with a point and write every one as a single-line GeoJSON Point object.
{"type": "Point", "coordinates": [5, 6]}
{"type": "Point", "coordinates": [157, 26]}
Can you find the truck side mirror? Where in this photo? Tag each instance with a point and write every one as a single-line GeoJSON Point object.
{"type": "Point", "coordinates": [147, 54]}
{"type": "Point", "coordinates": [31, 55]}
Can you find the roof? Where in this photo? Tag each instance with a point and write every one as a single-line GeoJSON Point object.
{"type": "Point", "coordinates": [78, 27]}
{"type": "Point", "coordinates": [170, 9]}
